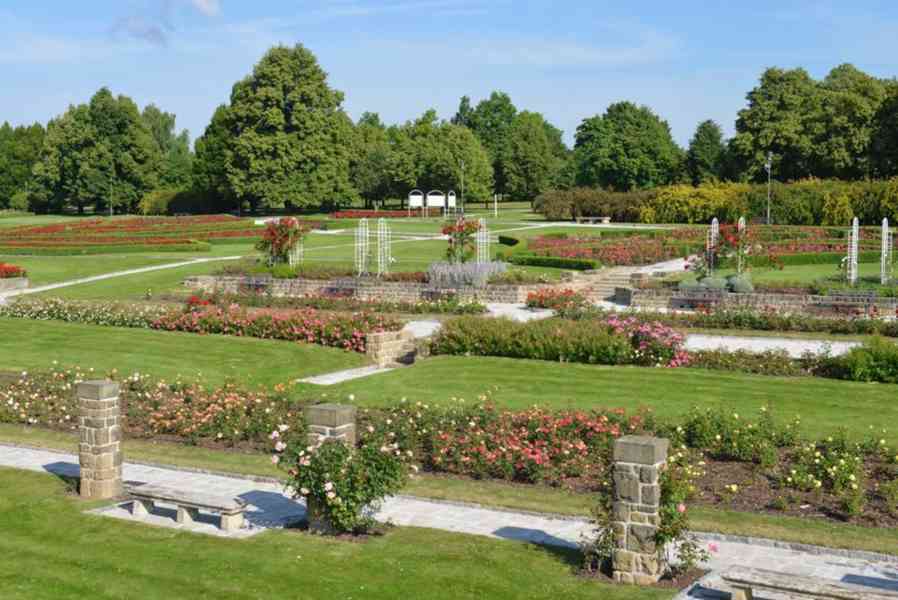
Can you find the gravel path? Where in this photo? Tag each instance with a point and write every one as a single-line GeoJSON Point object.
{"type": "Point", "coordinates": [271, 508]}
{"type": "Point", "coordinates": [793, 347]}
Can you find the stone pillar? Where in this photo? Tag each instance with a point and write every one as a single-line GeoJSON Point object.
{"type": "Point", "coordinates": [100, 450]}
{"type": "Point", "coordinates": [331, 422]}
{"type": "Point", "coordinates": [638, 462]}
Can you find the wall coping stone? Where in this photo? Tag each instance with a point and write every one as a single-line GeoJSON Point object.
{"type": "Point", "coordinates": [641, 449]}
{"type": "Point", "coordinates": [330, 415]}
{"type": "Point", "coordinates": [98, 389]}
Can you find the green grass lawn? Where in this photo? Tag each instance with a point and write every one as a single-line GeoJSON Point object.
{"type": "Point", "coordinates": [824, 404]}
{"type": "Point", "coordinates": [135, 287]}
{"type": "Point", "coordinates": [53, 269]}
{"type": "Point", "coordinates": [20, 220]}
{"type": "Point", "coordinates": [30, 345]}
{"type": "Point", "coordinates": [490, 493]}
{"type": "Point", "coordinates": [52, 550]}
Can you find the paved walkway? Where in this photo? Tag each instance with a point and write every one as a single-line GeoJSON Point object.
{"type": "Point", "coordinates": [71, 282]}
{"type": "Point", "coordinates": [270, 508]}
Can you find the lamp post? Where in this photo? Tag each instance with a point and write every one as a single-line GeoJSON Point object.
{"type": "Point", "coordinates": [463, 188]}
{"type": "Point", "coordinates": [768, 166]}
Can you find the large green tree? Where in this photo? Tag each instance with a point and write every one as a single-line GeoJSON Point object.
{"type": "Point", "coordinates": [628, 147]}
{"type": "Point", "coordinates": [19, 150]}
{"type": "Point", "coordinates": [210, 176]}
{"type": "Point", "coordinates": [490, 121]}
{"type": "Point", "coordinates": [843, 129]}
{"type": "Point", "coordinates": [884, 142]}
{"type": "Point", "coordinates": [175, 172]}
{"type": "Point", "coordinates": [99, 154]}
{"type": "Point", "coordinates": [777, 119]}
{"type": "Point", "coordinates": [707, 153]}
{"type": "Point", "coordinates": [530, 156]}
{"type": "Point", "coordinates": [444, 155]}
{"type": "Point", "coordinates": [290, 140]}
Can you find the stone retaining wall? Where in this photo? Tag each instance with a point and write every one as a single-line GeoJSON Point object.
{"type": "Point", "coordinates": [361, 289]}
{"type": "Point", "coordinates": [13, 284]}
{"type": "Point", "coordinates": [654, 299]}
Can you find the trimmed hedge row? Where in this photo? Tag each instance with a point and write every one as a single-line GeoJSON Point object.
{"type": "Point", "coordinates": [532, 260]}
{"type": "Point", "coordinates": [807, 258]}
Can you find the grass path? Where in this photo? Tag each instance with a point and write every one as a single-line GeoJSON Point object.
{"type": "Point", "coordinates": [825, 405]}
{"type": "Point", "coordinates": [30, 345]}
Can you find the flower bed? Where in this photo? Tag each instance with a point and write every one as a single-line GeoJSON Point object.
{"type": "Point", "coordinates": [376, 214]}
{"type": "Point", "coordinates": [342, 300]}
{"type": "Point", "coordinates": [134, 234]}
{"type": "Point", "coordinates": [186, 411]}
{"type": "Point", "coordinates": [565, 299]}
{"type": "Point", "coordinates": [347, 331]}
{"type": "Point", "coordinates": [8, 271]}
{"type": "Point", "coordinates": [752, 463]}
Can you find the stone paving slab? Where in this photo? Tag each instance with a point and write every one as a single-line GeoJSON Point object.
{"type": "Point", "coordinates": [792, 346]}
{"type": "Point", "coordinates": [346, 375]}
{"type": "Point", "coordinates": [271, 508]}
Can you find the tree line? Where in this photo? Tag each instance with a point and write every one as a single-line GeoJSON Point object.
{"type": "Point", "coordinates": [283, 140]}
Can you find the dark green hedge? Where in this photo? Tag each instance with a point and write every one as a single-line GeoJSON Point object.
{"type": "Point", "coordinates": [532, 260]}
{"type": "Point", "coordinates": [810, 258]}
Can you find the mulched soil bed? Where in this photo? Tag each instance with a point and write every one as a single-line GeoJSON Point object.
{"type": "Point", "coordinates": [759, 492]}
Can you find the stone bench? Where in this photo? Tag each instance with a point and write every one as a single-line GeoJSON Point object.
{"type": "Point", "coordinates": [189, 504]}
{"type": "Point", "coordinates": [743, 582]}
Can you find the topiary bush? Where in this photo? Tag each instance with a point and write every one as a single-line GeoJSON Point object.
{"type": "Point", "coordinates": [740, 284]}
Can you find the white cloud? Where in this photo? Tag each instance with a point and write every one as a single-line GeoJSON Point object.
{"type": "Point", "coordinates": [210, 8]}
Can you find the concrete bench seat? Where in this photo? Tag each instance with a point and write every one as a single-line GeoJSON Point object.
{"type": "Point", "coordinates": [603, 220]}
{"type": "Point", "coordinates": [189, 503]}
{"type": "Point", "coordinates": [744, 582]}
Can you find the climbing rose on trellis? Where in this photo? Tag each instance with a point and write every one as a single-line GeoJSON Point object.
{"type": "Point", "coordinates": [280, 238]}
{"type": "Point", "coordinates": [461, 239]}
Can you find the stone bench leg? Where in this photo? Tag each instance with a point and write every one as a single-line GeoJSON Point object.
{"type": "Point", "coordinates": [186, 516]}
{"type": "Point", "coordinates": [141, 508]}
{"type": "Point", "coordinates": [231, 522]}
{"type": "Point", "coordinates": [742, 593]}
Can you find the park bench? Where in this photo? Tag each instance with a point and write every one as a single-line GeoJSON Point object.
{"type": "Point", "coordinates": [602, 220]}
{"type": "Point", "coordinates": [189, 503]}
{"type": "Point", "coordinates": [697, 298]}
{"type": "Point", "coordinates": [744, 582]}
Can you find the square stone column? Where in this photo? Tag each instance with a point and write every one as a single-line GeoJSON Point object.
{"type": "Point", "coordinates": [100, 452]}
{"type": "Point", "coordinates": [638, 462]}
{"type": "Point", "coordinates": [331, 422]}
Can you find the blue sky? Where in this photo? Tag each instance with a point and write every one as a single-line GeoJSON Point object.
{"type": "Point", "coordinates": [568, 59]}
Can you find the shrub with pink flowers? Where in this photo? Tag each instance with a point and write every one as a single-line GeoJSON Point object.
{"type": "Point", "coordinates": [340, 484]}
{"type": "Point", "coordinates": [341, 330]}
{"type": "Point", "coordinates": [347, 331]}
{"type": "Point", "coordinates": [614, 341]}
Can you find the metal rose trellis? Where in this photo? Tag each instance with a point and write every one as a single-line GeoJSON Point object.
{"type": "Point", "coordinates": [740, 252]}
{"type": "Point", "coordinates": [885, 266]}
{"type": "Point", "coordinates": [361, 248]}
{"type": "Point", "coordinates": [850, 261]}
{"type": "Point", "coordinates": [384, 252]}
{"type": "Point", "coordinates": [711, 245]}
{"type": "Point", "coordinates": [483, 243]}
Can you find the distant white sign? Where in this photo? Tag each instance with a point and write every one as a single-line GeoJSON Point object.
{"type": "Point", "coordinates": [451, 200]}
{"type": "Point", "coordinates": [416, 199]}
{"type": "Point", "coordinates": [436, 198]}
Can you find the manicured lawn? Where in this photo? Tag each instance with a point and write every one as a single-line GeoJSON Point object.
{"type": "Point", "coordinates": [490, 493]}
{"type": "Point", "coordinates": [52, 269]}
{"type": "Point", "coordinates": [53, 551]}
{"type": "Point", "coordinates": [136, 287]}
{"type": "Point", "coordinates": [825, 405]}
{"type": "Point", "coordinates": [27, 219]}
{"type": "Point", "coordinates": [30, 345]}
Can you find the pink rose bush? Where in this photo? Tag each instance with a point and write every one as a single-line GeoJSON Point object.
{"type": "Point", "coordinates": [341, 485]}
